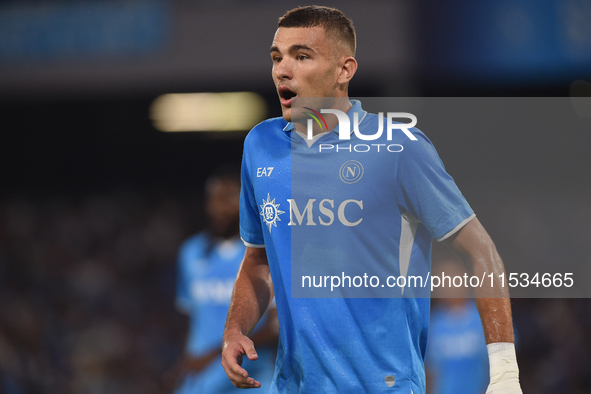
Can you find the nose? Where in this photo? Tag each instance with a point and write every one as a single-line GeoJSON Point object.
{"type": "Point", "coordinates": [283, 69]}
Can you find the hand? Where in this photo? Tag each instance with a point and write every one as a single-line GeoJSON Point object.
{"type": "Point", "coordinates": [235, 346]}
{"type": "Point", "coordinates": [506, 389]}
{"type": "Point", "coordinates": [504, 372]}
{"type": "Point", "coordinates": [504, 383]}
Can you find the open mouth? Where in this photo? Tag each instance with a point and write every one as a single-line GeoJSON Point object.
{"type": "Point", "coordinates": [286, 95]}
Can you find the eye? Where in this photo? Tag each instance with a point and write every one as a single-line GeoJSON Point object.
{"type": "Point", "coordinates": [276, 59]}
{"type": "Point", "coordinates": [302, 57]}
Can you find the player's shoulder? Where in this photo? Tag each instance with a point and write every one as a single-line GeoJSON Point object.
{"type": "Point", "coordinates": [193, 244]}
{"type": "Point", "coordinates": [267, 129]}
{"type": "Point", "coordinates": [414, 145]}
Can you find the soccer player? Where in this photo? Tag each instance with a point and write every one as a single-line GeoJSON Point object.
{"type": "Point", "coordinates": [379, 212]}
{"type": "Point", "coordinates": [207, 267]}
{"type": "Point", "coordinates": [456, 359]}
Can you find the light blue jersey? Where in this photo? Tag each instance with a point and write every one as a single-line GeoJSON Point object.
{"type": "Point", "coordinates": [318, 209]}
{"type": "Point", "coordinates": [456, 354]}
{"type": "Point", "coordinates": [206, 274]}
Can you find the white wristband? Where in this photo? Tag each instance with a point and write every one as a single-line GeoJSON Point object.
{"type": "Point", "coordinates": [504, 373]}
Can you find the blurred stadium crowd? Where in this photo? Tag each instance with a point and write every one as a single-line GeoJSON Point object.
{"type": "Point", "coordinates": [87, 293]}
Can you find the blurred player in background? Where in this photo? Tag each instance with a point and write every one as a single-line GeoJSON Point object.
{"type": "Point", "coordinates": [347, 345]}
{"type": "Point", "coordinates": [207, 267]}
{"type": "Point", "coordinates": [456, 360]}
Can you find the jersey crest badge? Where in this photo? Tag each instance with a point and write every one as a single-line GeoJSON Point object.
{"type": "Point", "coordinates": [351, 171]}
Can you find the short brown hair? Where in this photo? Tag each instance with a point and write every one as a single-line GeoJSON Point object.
{"type": "Point", "coordinates": [332, 20]}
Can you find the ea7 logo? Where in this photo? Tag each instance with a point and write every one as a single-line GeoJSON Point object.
{"type": "Point", "coordinates": [264, 171]}
{"type": "Point", "coordinates": [349, 217]}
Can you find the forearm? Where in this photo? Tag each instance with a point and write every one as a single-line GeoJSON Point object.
{"type": "Point", "coordinates": [268, 333]}
{"type": "Point", "coordinates": [253, 291]}
{"type": "Point", "coordinates": [474, 247]}
{"type": "Point", "coordinates": [495, 314]}
{"type": "Point", "coordinates": [493, 303]}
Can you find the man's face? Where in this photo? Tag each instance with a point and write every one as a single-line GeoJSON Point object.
{"type": "Point", "coordinates": [223, 207]}
{"type": "Point", "coordinates": [305, 64]}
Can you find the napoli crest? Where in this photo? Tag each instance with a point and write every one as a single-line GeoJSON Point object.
{"type": "Point", "coordinates": [351, 171]}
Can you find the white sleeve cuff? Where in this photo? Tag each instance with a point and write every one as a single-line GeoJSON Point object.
{"type": "Point", "coordinates": [456, 228]}
{"type": "Point", "coordinates": [252, 245]}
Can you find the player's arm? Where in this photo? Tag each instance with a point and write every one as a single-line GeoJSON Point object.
{"type": "Point", "coordinates": [476, 249]}
{"type": "Point", "coordinates": [253, 291]}
{"type": "Point", "coordinates": [188, 363]}
{"type": "Point", "coordinates": [268, 333]}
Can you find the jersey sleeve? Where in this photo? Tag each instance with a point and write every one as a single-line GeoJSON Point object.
{"type": "Point", "coordinates": [427, 192]}
{"type": "Point", "coordinates": [250, 222]}
{"type": "Point", "coordinates": [183, 296]}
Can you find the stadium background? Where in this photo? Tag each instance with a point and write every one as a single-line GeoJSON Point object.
{"type": "Point", "coordinates": [94, 201]}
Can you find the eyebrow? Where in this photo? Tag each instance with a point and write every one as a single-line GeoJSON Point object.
{"type": "Point", "coordinates": [293, 48]}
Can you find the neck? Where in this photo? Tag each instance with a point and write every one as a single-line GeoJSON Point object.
{"type": "Point", "coordinates": [339, 103]}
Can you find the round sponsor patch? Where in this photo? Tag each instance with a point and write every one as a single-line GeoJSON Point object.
{"type": "Point", "coordinates": [270, 212]}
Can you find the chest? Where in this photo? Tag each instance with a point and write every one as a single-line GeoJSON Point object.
{"type": "Point", "coordinates": [311, 187]}
{"type": "Point", "coordinates": [210, 275]}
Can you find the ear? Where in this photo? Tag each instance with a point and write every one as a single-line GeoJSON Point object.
{"type": "Point", "coordinates": [348, 67]}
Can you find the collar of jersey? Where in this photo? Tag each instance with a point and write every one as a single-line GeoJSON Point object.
{"type": "Point", "coordinates": [356, 107]}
